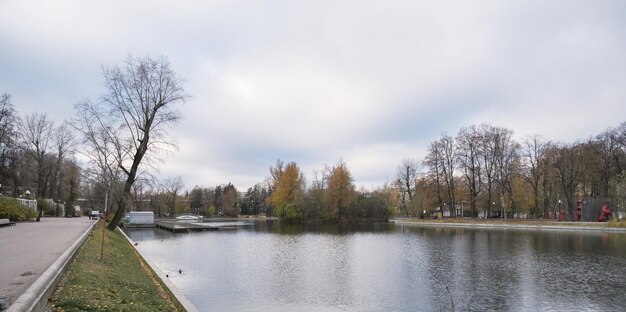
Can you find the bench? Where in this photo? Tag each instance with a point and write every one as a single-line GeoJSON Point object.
{"type": "Point", "coordinates": [6, 222]}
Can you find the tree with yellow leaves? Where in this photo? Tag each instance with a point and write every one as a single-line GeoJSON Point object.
{"type": "Point", "coordinates": [341, 193]}
{"type": "Point", "coordinates": [287, 189]}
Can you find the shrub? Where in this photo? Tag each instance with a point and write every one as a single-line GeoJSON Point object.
{"type": "Point", "coordinates": [289, 213]}
{"type": "Point", "coordinates": [613, 222]}
{"type": "Point", "coordinates": [11, 209]}
{"type": "Point", "coordinates": [46, 207]}
{"type": "Point", "coordinates": [212, 211]}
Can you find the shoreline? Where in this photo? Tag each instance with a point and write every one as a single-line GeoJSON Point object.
{"type": "Point", "coordinates": [172, 288]}
{"type": "Point", "coordinates": [515, 225]}
{"type": "Point", "coordinates": [119, 280]}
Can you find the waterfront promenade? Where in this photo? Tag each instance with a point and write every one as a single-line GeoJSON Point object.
{"type": "Point", "coordinates": [512, 224]}
{"type": "Point", "coordinates": [28, 249]}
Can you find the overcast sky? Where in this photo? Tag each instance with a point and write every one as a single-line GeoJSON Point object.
{"type": "Point", "coordinates": [372, 82]}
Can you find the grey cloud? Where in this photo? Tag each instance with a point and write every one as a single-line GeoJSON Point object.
{"type": "Point", "coordinates": [373, 82]}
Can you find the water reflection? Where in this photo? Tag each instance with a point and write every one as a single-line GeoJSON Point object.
{"type": "Point", "coordinates": [384, 267]}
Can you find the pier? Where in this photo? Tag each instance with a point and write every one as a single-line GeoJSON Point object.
{"type": "Point", "coordinates": [182, 227]}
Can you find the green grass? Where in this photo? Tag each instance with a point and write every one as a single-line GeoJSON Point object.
{"type": "Point", "coordinates": [119, 281]}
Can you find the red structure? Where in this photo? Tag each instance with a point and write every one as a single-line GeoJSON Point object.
{"type": "Point", "coordinates": [579, 208]}
{"type": "Point", "coordinates": [605, 214]}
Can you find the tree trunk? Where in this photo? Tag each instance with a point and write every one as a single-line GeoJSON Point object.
{"type": "Point", "coordinates": [122, 202]}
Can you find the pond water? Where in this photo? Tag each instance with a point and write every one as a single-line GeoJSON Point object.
{"type": "Point", "coordinates": [268, 266]}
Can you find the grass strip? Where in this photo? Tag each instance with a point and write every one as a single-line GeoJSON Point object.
{"type": "Point", "coordinates": [119, 281]}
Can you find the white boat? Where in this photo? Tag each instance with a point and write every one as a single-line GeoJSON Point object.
{"type": "Point", "coordinates": [187, 218]}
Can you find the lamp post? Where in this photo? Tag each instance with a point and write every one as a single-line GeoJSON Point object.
{"type": "Point", "coordinates": [27, 196]}
{"type": "Point", "coordinates": [560, 204]}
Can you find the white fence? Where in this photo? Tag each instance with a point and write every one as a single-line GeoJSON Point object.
{"type": "Point", "coordinates": [30, 203]}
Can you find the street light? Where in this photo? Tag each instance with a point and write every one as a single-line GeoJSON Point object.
{"type": "Point", "coordinates": [560, 204]}
{"type": "Point", "coordinates": [39, 211]}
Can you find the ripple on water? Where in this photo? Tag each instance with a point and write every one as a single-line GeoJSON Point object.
{"type": "Point", "coordinates": [392, 268]}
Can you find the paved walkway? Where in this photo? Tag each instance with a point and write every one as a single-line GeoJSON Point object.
{"type": "Point", "coordinates": [28, 249]}
{"type": "Point", "coordinates": [533, 225]}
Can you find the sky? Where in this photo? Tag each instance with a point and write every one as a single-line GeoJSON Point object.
{"type": "Point", "coordinates": [369, 82]}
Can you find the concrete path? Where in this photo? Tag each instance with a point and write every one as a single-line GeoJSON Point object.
{"type": "Point", "coordinates": [28, 249]}
{"type": "Point", "coordinates": [566, 226]}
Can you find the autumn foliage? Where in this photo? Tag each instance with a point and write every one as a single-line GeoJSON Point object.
{"type": "Point", "coordinates": [331, 197]}
{"type": "Point", "coordinates": [340, 194]}
{"type": "Point", "coordinates": [287, 188]}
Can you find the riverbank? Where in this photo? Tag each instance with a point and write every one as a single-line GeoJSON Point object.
{"type": "Point", "coordinates": [120, 280]}
{"type": "Point", "coordinates": [524, 224]}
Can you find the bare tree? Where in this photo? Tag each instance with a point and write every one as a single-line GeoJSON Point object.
{"type": "Point", "coordinates": [36, 135]}
{"type": "Point", "coordinates": [469, 141]}
{"type": "Point", "coordinates": [449, 164]}
{"type": "Point", "coordinates": [433, 163]}
{"type": "Point", "coordinates": [277, 170]}
{"type": "Point", "coordinates": [8, 148]}
{"type": "Point", "coordinates": [489, 152]}
{"type": "Point", "coordinates": [130, 125]}
{"type": "Point", "coordinates": [172, 188]}
{"type": "Point", "coordinates": [7, 117]}
{"type": "Point", "coordinates": [507, 168]}
{"type": "Point", "coordinates": [407, 178]}
{"type": "Point", "coordinates": [101, 152]}
{"type": "Point", "coordinates": [63, 143]}
{"type": "Point", "coordinates": [609, 157]}
{"type": "Point", "coordinates": [533, 165]}
{"type": "Point", "coordinates": [620, 135]}
{"type": "Point", "coordinates": [568, 166]}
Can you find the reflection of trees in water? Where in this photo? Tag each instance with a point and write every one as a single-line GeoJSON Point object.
{"type": "Point", "coordinates": [395, 267]}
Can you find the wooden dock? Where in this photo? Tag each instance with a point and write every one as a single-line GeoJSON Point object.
{"type": "Point", "coordinates": [139, 226]}
{"type": "Point", "coordinates": [182, 227]}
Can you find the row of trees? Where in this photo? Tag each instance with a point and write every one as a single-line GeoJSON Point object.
{"type": "Point", "coordinates": [168, 198]}
{"type": "Point", "coordinates": [331, 197]}
{"type": "Point", "coordinates": [36, 156]}
{"type": "Point", "coordinates": [485, 168]}
{"type": "Point", "coordinates": [124, 135]}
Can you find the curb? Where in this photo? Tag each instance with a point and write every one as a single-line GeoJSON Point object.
{"type": "Point", "coordinates": [35, 298]}
{"type": "Point", "coordinates": [175, 291]}
{"type": "Point", "coordinates": [514, 226]}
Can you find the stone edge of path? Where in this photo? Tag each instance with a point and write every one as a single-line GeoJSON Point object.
{"type": "Point", "coordinates": [175, 291]}
{"type": "Point", "coordinates": [35, 298]}
{"type": "Point", "coordinates": [538, 227]}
